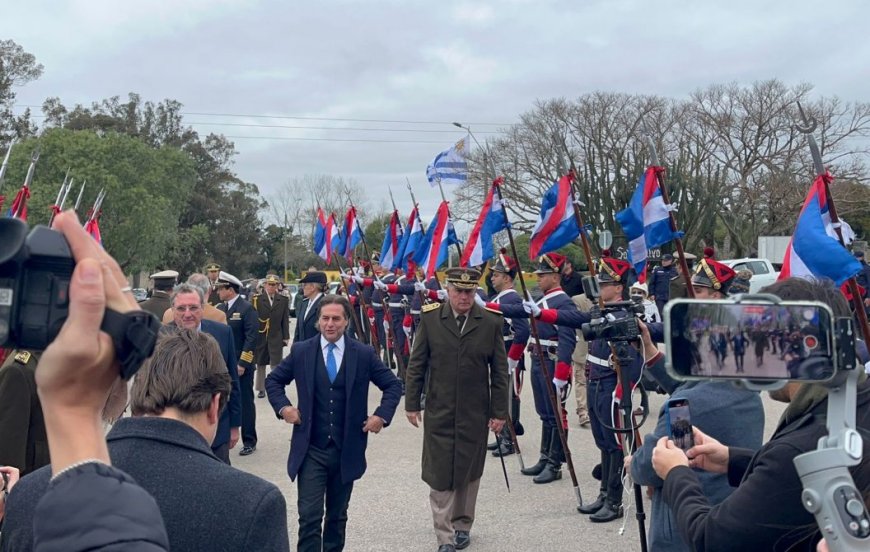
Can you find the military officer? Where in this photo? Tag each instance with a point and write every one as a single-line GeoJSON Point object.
{"type": "Point", "coordinates": [163, 283]}
{"type": "Point", "coordinates": [23, 443]}
{"type": "Point", "coordinates": [242, 320]}
{"type": "Point", "coordinates": [212, 270]}
{"type": "Point", "coordinates": [557, 345]}
{"type": "Point", "coordinates": [313, 287]}
{"type": "Point", "coordinates": [515, 332]}
{"type": "Point", "coordinates": [660, 282]}
{"type": "Point", "coordinates": [460, 346]}
{"type": "Point", "coordinates": [273, 314]}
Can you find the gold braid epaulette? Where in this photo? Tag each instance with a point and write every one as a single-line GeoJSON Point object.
{"type": "Point", "coordinates": [247, 356]}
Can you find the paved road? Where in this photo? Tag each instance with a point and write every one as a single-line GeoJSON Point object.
{"type": "Point", "coordinates": [389, 509]}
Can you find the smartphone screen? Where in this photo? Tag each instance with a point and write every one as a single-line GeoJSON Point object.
{"type": "Point", "coordinates": [680, 423]}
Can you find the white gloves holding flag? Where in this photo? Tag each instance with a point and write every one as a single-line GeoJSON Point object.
{"type": "Point", "coordinates": [480, 302]}
{"type": "Point", "coordinates": [386, 326]}
{"type": "Point", "coordinates": [532, 308]}
{"type": "Point", "coordinates": [442, 294]}
{"type": "Point", "coordinates": [379, 285]}
{"type": "Point", "coordinates": [512, 365]}
{"type": "Point", "coordinates": [420, 286]}
{"type": "Point", "coordinates": [560, 384]}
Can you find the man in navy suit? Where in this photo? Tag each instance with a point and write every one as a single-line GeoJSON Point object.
{"type": "Point", "coordinates": [313, 287]}
{"type": "Point", "coordinates": [242, 320]}
{"type": "Point", "coordinates": [332, 374]}
{"type": "Point", "coordinates": [187, 311]}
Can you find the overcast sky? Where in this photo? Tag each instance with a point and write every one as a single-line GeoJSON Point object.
{"type": "Point", "coordinates": [480, 63]}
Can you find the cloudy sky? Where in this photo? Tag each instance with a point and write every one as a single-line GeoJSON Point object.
{"type": "Point", "coordinates": [312, 75]}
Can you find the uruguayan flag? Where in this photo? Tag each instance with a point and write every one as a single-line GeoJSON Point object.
{"type": "Point", "coordinates": [449, 166]}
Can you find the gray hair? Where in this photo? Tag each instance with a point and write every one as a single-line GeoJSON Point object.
{"type": "Point", "coordinates": [186, 288]}
{"type": "Point", "coordinates": [201, 281]}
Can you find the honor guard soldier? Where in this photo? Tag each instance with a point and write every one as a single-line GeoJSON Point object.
{"type": "Point", "coordinates": [212, 270]}
{"type": "Point", "coordinates": [516, 335]}
{"type": "Point", "coordinates": [163, 283]}
{"type": "Point", "coordinates": [242, 320]}
{"type": "Point", "coordinates": [660, 282]}
{"type": "Point", "coordinates": [712, 279]}
{"type": "Point", "coordinates": [273, 314]}
{"type": "Point", "coordinates": [376, 298]}
{"type": "Point", "coordinates": [557, 345]}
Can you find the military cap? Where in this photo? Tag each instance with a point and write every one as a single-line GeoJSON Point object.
{"type": "Point", "coordinates": [550, 263]}
{"type": "Point", "coordinates": [463, 277]}
{"type": "Point", "coordinates": [709, 253]}
{"type": "Point", "coordinates": [228, 279]}
{"type": "Point", "coordinates": [505, 264]}
{"type": "Point", "coordinates": [612, 271]}
{"type": "Point", "coordinates": [314, 277]}
{"type": "Point", "coordinates": [713, 274]}
{"type": "Point", "coordinates": [212, 267]}
{"type": "Point", "coordinates": [165, 275]}
{"type": "Point", "coordinates": [272, 279]}
{"type": "Point", "coordinates": [667, 257]}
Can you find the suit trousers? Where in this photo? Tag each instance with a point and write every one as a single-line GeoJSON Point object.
{"type": "Point", "coordinates": [319, 480]}
{"type": "Point", "coordinates": [453, 510]}
{"type": "Point", "coordinates": [223, 453]}
{"type": "Point", "coordinates": [260, 378]}
{"type": "Point", "coordinates": [249, 411]}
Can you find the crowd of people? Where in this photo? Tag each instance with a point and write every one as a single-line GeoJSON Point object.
{"type": "Point", "coordinates": [458, 352]}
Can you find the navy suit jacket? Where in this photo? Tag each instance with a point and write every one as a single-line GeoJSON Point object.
{"type": "Point", "coordinates": [363, 366]}
{"type": "Point", "coordinates": [232, 413]}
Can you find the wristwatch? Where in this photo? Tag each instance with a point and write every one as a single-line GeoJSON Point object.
{"type": "Point", "coordinates": [134, 335]}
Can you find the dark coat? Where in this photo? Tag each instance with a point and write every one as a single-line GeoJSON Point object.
{"type": "Point", "coordinates": [242, 320]}
{"type": "Point", "coordinates": [23, 443]}
{"type": "Point", "coordinates": [307, 328]}
{"type": "Point", "coordinates": [232, 413]}
{"type": "Point", "coordinates": [467, 386]}
{"type": "Point", "coordinates": [765, 511]}
{"type": "Point", "coordinates": [193, 489]}
{"type": "Point", "coordinates": [660, 282]}
{"type": "Point", "coordinates": [363, 366]}
{"type": "Point", "coordinates": [157, 304]}
{"type": "Point", "coordinates": [274, 328]}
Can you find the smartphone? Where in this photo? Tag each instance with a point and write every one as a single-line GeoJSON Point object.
{"type": "Point", "coordinates": [680, 423]}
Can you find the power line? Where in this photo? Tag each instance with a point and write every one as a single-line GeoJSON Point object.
{"type": "Point", "coordinates": [337, 128]}
{"type": "Point", "coordinates": [335, 140]}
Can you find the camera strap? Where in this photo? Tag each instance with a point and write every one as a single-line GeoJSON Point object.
{"type": "Point", "coordinates": [134, 335]}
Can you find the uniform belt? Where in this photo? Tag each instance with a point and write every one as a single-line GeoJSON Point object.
{"type": "Point", "coordinates": [508, 337]}
{"type": "Point", "coordinates": [377, 305]}
{"type": "Point", "coordinates": [547, 342]}
{"type": "Point", "coordinates": [415, 311]}
{"type": "Point", "coordinates": [396, 305]}
{"type": "Point", "coordinates": [596, 360]}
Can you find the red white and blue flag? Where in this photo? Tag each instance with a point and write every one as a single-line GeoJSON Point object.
{"type": "Point", "coordinates": [556, 226]}
{"type": "Point", "coordinates": [322, 236]}
{"type": "Point", "coordinates": [646, 221]}
{"type": "Point", "coordinates": [492, 219]}
{"type": "Point", "coordinates": [814, 250]}
{"type": "Point", "coordinates": [410, 241]}
{"type": "Point", "coordinates": [352, 233]}
{"type": "Point", "coordinates": [336, 238]}
{"type": "Point", "coordinates": [433, 249]}
{"type": "Point", "coordinates": [392, 238]}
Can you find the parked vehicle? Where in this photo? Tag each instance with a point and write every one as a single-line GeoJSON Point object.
{"type": "Point", "coordinates": [140, 294]}
{"type": "Point", "coordinates": [291, 290]}
{"type": "Point", "coordinates": [763, 271]}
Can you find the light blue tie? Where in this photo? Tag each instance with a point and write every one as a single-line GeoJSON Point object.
{"type": "Point", "coordinates": [331, 367]}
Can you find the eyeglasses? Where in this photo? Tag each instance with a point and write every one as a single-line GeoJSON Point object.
{"type": "Point", "coordinates": [188, 308]}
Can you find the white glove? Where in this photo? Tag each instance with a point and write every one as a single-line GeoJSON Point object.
{"type": "Point", "coordinates": [407, 330]}
{"type": "Point", "coordinates": [512, 365]}
{"type": "Point", "coordinates": [380, 285]}
{"type": "Point", "coordinates": [480, 302]}
{"type": "Point", "coordinates": [442, 294]}
{"type": "Point", "coordinates": [358, 279]}
{"type": "Point", "coordinates": [532, 308]}
{"type": "Point", "coordinates": [345, 276]}
{"type": "Point", "coordinates": [420, 286]}
{"type": "Point", "coordinates": [560, 384]}
{"type": "Point", "coordinates": [386, 326]}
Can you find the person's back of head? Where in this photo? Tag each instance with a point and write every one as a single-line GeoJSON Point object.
{"type": "Point", "coordinates": [200, 281]}
{"type": "Point", "coordinates": [185, 379]}
{"type": "Point", "coordinates": [803, 289]}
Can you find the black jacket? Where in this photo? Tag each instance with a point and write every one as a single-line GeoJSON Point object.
{"type": "Point", "coordinates": [765, 511]}
{"type": "Point", "coordinates": [206, 504]}
{"type": "Point", "coordinates": [242, 319]}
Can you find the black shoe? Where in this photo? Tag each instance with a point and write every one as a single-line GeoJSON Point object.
{"type": "Point", "coordinates": [247, 450]}
{"type": "Point", "coordinates": [592, 507]}
{"type": "Point", "coordinates": [447, 548]}
{"type": "Point", "coordinates": [261, 395]}
{"type": "Point", "coordinates": [492, 446]}
{"type": "Point", "coordinates": [462, 539]}
{"type": "Point", "coordinates": [506, 449]}
{"type": "Point", "coordinates": [609, 512]}
{"type": "Point", "coordinates": [535, 469]}
{"type": "Point", "coordinates": [550, 473]}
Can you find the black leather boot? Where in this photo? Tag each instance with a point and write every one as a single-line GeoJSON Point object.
{"type": "Point", "coordinates": [492, 446]}
{"type": "Point", "coordinates": [553, 470]}
{"type": "Point", "coordinates": [593, 507]}
{"type": "Point", "coordinates": [507, 445]}
{"type": "Point", "coordinates": [546, 436]}
{"type": "Point", "coordinates": [613, 503]}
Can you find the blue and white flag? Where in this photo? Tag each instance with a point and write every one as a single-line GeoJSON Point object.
{"type": "Point", "coordinates": [450, 166]}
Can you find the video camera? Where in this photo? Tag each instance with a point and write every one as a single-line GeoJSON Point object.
{"type": "Point", "coordinates": [35, 274]}
{"type": "Point", "coordinates": [814, 347]}
{"type": "Point", "coordinates": [616, 322]}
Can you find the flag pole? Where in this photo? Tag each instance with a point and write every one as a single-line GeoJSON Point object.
{"type": "Point", "coordinates": [3, 170]}
{"type": "Point", "coordinates": [416, 209]}
{"type": "Point", "coordinates": [27, 181]}
{"type": "Point", "coordinates": [449, 217]}
{"type": "Point", "coordinates": [809, 125]}
{"type": "Point", "coordinates": [554, 402]}
{"type": "Point", "coordinates": [58, 204]}
{"type": "Point", "coordinates": [79, 198]}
